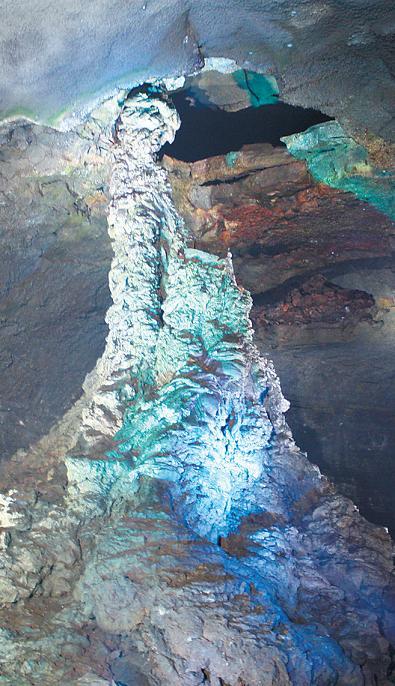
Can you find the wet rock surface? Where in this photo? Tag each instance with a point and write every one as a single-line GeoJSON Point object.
{"type": "Point", "coordinates": [319, 264]}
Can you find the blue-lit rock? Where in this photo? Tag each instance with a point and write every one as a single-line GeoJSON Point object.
{"type": "Point", "coordinates": [336, 159]}
{"type": "Point", "coordinates": [209, 422]}
{"type": "Point", "coordinates": [204, 547]}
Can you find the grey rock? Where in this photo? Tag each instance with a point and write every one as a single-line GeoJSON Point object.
{"type": "Point", "coordinates": [333, 56]}
{"type": "Point", "coordinates": [54, 274]}
{"type": "Point", "coordinates": [213, 551]}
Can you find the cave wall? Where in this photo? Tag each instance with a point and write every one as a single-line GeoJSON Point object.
{"type": "Point", "coordinates": [54, 271]}
{"type": "Point", "coordinates": [166, 528]}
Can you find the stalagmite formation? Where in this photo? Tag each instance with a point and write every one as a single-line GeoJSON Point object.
{"type": "Point", "coordinates": [198, 545]}
{"type": "Point", "coordinates": [136, 214]}
{"type": "Point", "coordinates": [294, 242]}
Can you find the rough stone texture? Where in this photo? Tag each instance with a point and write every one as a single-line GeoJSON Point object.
{"type": "Point", "coordinates": [347, 371]}
{"type": "Point", "coordinates": [317, 301]}
{"type": "Point", "coordinates": [232, 91]}
{"type": "Point", "coordinates": [332, 56]}
{"type": "Point", "coordinates": [313, 257]}
{"type": "Point", "coordinates": [206, 549]}
{"type": "Point", "coordinates": [135, 275]}
{"type": "Point", "coordinates": [337, 160]}
{"type": "Point", "coordinates": [262, 205]}
{"type": "Point", "coordinates": [54, 272]}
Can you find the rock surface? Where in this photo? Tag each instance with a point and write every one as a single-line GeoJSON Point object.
{"type": "Point", "coordinates": [336, 159]}
{"type": "Point", "coordinates": [232, 91]}
{"type": "Point", "coordinates": [204, 548]}
{"type": "Point", "coordinates": [319, 264]}
{"type": "Point", "coordinates": [54, 273]}
{"type": "Point", "coordinates": [335, 57]}
{"type": "Point", "coordinates": [317, 301]}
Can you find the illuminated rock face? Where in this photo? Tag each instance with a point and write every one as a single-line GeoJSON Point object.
{"type": "Point", "coordinates": [207, 420]}
{"type": "Point", "coordinates": [336, 159]}
{"type": "Point", "coordinates": [292, 240]}
{"type": "Point", "coordinates": [204, 548]}
{"type": "Point", "coordinates": [135, 221]}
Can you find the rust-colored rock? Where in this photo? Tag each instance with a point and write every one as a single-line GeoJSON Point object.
{"type": "Point", "coordinates": [317, 301]}
{"type": "Point", "coordinates": [319, 264]}
{"type": "Point", "coordinates": [263, 206]}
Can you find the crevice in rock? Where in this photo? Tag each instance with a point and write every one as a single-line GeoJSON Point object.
{"type": "Point", "coordinates": [276, 294]}
{"type": "Point", "coordinates": [207, 131]}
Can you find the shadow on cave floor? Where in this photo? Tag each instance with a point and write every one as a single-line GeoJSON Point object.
{"type": "Point", "coordinates": [207, 131]}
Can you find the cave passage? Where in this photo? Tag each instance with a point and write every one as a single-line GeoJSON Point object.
{"type": "Point", "coordinates": [207, 131]}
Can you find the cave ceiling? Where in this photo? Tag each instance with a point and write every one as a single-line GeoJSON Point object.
{"type": "Point", "coordinates": [56, 59]}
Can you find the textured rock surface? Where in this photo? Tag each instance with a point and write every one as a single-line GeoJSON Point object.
{"type": "Point", "coordinates": [333, 56]}
{"type": "Point", "coordinates": [206, 548]}
{"type": "Point", "coordinates": [54, 271]}
{"type": "Point", "coordinates": [332, 346]}
{"type": "Point", "coordinates": [317, 301]}
{"type": "Point", "coordinates": [263, 205]}
{"type": "Point", "coordinates": [233, 91]}
{"type": "Point", "coordinates": [336, 159]}
{"type": "Point", "coordinates": [136, 215]}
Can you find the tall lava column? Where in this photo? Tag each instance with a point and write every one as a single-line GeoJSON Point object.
{"type": "Point", "coordinates": [138, 209]}
{"type": "Point", "coordinates": [255, 541]}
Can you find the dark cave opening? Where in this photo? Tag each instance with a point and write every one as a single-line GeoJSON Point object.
{"type": "Point", "coordinates": [207, 131]}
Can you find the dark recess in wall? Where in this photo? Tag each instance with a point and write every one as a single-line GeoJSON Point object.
{"type": "Point", "coordinates": [207, 131]}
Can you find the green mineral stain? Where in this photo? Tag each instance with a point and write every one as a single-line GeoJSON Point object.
{"type": "Point", "coordinates": [335, 159]}
{"type": "Point", "coordinates": [262, 89]}
{"type": "Point", "coordinates": [17, 113]}
{"type": "Point", "coordinates": [74, 112]}
{"type": "Point", "coordinates": [231, 159]}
